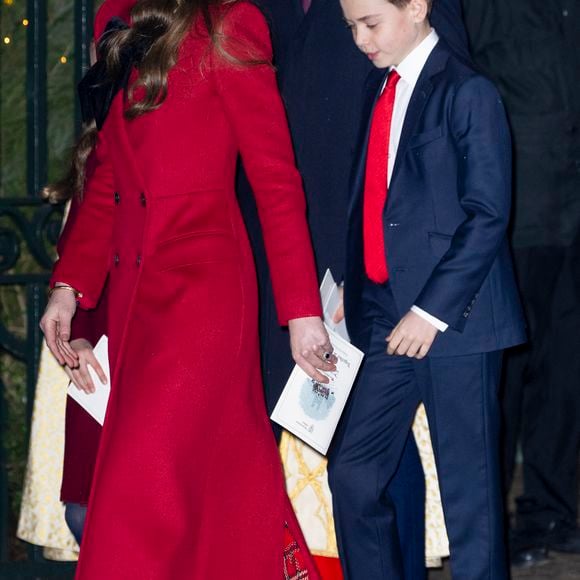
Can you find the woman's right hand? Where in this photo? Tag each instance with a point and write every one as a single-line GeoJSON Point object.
{"type": "Point", "coordinates": [56, 325]}
{"type": "Point", "coordinates": [80, 376]}
{"type": "Point", "coordinates": [311, 347]}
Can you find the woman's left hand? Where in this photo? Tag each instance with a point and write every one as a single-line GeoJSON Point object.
{"type": "Point", "coordinates": [311, 347]}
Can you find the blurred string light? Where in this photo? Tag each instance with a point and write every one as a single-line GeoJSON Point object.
{"type": "Point", "coordinates": [8, 2]}
{"type": "Point", "coordinates": [63, 59]}
{"type": "Point", "coordinates": [7, 40]}
{"type": "Point", "coordinates": [25, 22]}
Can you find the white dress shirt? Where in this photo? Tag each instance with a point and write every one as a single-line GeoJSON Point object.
{"type": "Point", "coordinates": [410, 69]}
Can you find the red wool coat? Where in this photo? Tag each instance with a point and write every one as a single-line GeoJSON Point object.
{"type": "Point", "coordinates": [188, 482]}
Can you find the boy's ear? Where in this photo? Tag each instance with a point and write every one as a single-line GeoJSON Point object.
{"type": "Point", "coordinates": [419, 10]}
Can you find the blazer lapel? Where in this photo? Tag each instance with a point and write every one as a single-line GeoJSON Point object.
{"type": "Point", "coordinates": [374, 85]}
{"type": "Point", "coordinates": [434, 65]}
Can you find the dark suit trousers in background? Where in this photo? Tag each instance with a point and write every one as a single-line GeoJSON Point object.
{"type": "Point", "coordinates": [541, 399]}
{"type": "Point", "coordinates": [460, 396]}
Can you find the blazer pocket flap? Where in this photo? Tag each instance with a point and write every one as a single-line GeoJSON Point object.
{"type": "Point", "coordinates": [439, 243]}
{"type": "Point", "coordinates": [426, 137]}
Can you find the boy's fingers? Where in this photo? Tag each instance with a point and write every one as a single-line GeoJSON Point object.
{"type": "Point", "coordinates": [413, 349]}
{"type": "Point", "coordinates": [403, 347]}
{"type": "Point", "coordinates": [92, 360]}
{"type": "Point", "coordinates": [87, 380]}
{"type": "Point", "coordinates": [75, 378]}
{"type": "Point", "coordinates": [423, 351]}
{"type": "Point", "coordinates": [339, 314]}
{"type": "Point", "coordinates": [394, 341]}
{"type": "Point", "coordinates": [80, 379]}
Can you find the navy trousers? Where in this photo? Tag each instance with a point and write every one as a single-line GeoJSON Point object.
{"type": "Point", "coordinates": [461, 399]}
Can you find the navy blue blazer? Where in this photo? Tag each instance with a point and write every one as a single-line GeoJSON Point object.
{"type": "Point", "coordinates": [447, 211]}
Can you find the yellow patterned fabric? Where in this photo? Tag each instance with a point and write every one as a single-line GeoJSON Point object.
{"type": "Point", "coordinates": [41, 513]}
{"type": "Point", "coordinates": [307, 486]}
{"type": "Point", "coordinates": [436, 541]}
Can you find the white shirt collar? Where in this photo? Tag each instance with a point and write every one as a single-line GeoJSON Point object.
{"type": "Point", "coordinates": [412, 65]}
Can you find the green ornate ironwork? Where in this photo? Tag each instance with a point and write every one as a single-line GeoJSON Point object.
{"type": "Point", "coordinates": [28, 232]}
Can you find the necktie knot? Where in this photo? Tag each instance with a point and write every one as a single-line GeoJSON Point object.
{"type": "Point", "coordinates": [392, 80]}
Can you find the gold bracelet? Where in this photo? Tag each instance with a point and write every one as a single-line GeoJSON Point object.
{"type": "Point", "coordinates": [78, 295]}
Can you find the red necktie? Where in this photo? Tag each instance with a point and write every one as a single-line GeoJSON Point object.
{"type": "Point", "coordinates": [376, 185]}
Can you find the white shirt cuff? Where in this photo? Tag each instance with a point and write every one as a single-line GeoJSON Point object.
{"type": "Point", "coordinates": [438, 324]}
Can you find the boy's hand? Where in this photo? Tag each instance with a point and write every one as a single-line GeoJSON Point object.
{"type": "Point", "coordinates": [80, 376]}
{"type": "Point", "coordinates": [338, 316]}
{"type": "Point", "coordinates": [413, 337]}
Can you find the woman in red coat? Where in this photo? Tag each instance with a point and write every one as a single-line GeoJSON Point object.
{"type": "Point", "coordinates": [188, 482]}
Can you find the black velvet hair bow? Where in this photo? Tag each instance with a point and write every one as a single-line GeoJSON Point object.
{"type": "Point", "coordinates": [98, 87]}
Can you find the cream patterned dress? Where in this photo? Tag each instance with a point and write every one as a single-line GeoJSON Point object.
{"type": "Point", "coordinates": [307, 485]}
{"type": "Point", "coordinates": [41, 513]}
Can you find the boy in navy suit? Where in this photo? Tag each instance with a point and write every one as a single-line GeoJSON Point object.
{"type": "Point", "coordinates": [429, 292]}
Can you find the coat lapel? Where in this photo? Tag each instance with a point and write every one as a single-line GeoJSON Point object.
{"type": "Point", "coordinates": [434, 65]}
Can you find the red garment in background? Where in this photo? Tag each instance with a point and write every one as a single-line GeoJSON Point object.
{"type": "Point", "coordinates": [329, 568]}
{"type": "Point", "coordinates": [82, 432]}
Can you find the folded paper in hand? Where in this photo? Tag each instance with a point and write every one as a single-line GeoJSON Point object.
{"type": "Point", "coordinates": [95, 404]}
{"type": "Point", "coordinates": [309, 409]}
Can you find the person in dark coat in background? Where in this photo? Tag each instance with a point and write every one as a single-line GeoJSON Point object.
{"type": "Point", "coordinates": [531, 50]}
{"type": "Point", "coordinates": [320, 74]}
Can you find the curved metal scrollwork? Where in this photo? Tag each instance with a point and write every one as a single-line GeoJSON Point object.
{"type": "Point", "coordinates": [28, 233]}
{"type": "Point", "coordinates": [34, 225]}
{"type": "Point", "coordinates": [9, 249]}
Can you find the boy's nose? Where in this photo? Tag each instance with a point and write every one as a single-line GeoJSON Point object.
{"type": "Point", "coordinates": [361, 40]}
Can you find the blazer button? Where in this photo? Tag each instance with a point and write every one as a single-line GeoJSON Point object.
{"type": "Point", "coordinates": [116, 259]}
{"type": "Point", "coordinates": [117, 198]}
{"type": "Point", "coordinates": [138, 261]}
{"type": "Point", "coordinates": [143, 199]}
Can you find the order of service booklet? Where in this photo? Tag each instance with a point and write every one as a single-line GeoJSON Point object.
{"type": "Point", "coordinates": [95, 404]}
{"type": "Point", "coordinates": [309, 409]}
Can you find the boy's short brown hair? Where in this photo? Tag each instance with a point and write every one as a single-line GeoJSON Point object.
{"type": "Point", "coordinates": [403, 3]}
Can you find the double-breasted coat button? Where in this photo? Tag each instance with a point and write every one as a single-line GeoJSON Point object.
{"type": "Point", "coordinates": [138, 260]}
{"type": "Point", "coordinates": [143, 199]}
{"type": "Point", "coordinates": [116, 259]}
{"type": "Point", "coordinates": [117, 198]}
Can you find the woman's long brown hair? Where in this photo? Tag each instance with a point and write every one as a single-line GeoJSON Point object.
{"type": "Point", "coordinates": [165, 23]}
